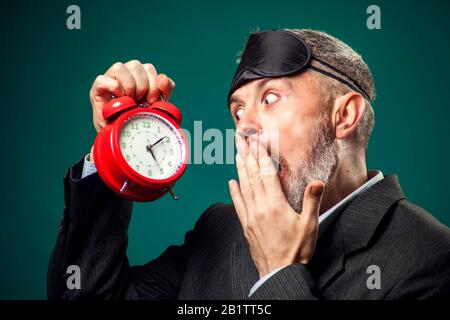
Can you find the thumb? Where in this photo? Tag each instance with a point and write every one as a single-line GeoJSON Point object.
{"type": "Point", "coordinates": [312, 200]}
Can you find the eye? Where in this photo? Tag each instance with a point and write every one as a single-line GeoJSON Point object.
{"type": "Point", "coordinates": [270, 98]}
{"type": "Point", "coordinates": [239, 113]}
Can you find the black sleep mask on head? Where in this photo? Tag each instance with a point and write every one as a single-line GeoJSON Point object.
{"type": "Point", "coordinates": [279, 53]}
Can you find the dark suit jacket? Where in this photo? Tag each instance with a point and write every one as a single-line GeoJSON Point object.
{"type": "Point", "coordinates": [379, 227]}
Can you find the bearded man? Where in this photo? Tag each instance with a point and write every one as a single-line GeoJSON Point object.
{"type": "Point", "coordinates": [308, 221]}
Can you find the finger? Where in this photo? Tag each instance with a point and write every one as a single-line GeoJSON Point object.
{"type": "Point", "coordinates": [140, 77]}
{"type": "Point", "coordinates": [254, 173]}
{"type": "Point", "coordinates": [165, 85]}
{"type": "Point", "coordinates": [244, 185]}
{"type": "Point", "coordinates": [269, 176]}
{"type": "Point", "coordinates": [242, 154]}
{"type": "Point", "coordinates": [119, 72]}
{"type": "Point", "coordinates": [241, 146]}
{"type": "Point", "coordinates": [103, 87]}
{"type": "Point", "coordinates": [153, 91]}
{"type": "Point", "coordinates": [238, 201]}
{"type": "Point", "coordinates": [311, 203]}
{"type": "Point", "coordinates": [99, 123]}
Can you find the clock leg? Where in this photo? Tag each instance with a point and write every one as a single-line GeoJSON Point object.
{"type": "Point", "coordinates": [173, 194]}
{"type": "Point", "coordinates": [124, 186]}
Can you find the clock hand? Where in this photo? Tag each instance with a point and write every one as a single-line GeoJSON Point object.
{"type": "Point", "coordinates": [149, 148]}
{"type": "Point", "coordinates": [159, 140]}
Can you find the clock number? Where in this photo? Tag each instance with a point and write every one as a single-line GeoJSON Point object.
{"type": "Point", "coordinates": [146, 124]}
{"type": "Point", "coordinates": [161, 170]}
{"type": "Point", "coordinates": [159, 129]}
{"type": "Point", "coordinates": [126, 133]}
{"type": "Point", "coordinates": [169, 164]}
{"type": "Point", "coordinates": [137, 167]}
{"type": "Point", "coordinates": [149, 173]}
{"type": "Point", "coordinates": [135, 126]}
{"type": "Point", "coordinates": [127, 157]}
{"type": "Point", "coordinates": [124, 145]}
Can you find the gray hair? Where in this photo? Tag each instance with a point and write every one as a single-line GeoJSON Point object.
{"type": "Point", "coordinates": [348, 61]}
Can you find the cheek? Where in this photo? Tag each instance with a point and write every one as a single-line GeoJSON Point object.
{"type": "Point", "coordinates": [293, 131]}
{"type": "Point", "coordinates": [295, 145]}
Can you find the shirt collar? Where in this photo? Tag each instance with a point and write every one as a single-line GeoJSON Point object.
{"type": "Point", "coordinates": [374, 177]}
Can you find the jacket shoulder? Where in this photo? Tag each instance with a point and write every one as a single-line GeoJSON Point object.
{"type": "Point", "coordinates": [220, 212]}
{"type": "Point", "coordinates": [420, 227]}
{"type": "Point", "coordinates": [218, 221]}
{"type": "Point", "coordinates": [419, 252]}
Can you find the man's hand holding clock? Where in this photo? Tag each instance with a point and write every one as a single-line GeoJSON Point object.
{"type": "Point", "coordinates": [140, 150]}
{"type": "Point", "coordinates": [133, 78]}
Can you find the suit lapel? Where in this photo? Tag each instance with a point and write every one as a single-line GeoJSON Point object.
{"type": "Point", "coordinates": [352, 229]}
{"type": "Point", "coordinates": [362, 216]}
{"type": "Point", "coordinates": [328, 259]}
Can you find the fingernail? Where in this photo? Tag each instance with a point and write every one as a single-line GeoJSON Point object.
{"type": "Point", "coordinates": [153, 100]}
{"type": "Point", "coordinates": [317, 190]}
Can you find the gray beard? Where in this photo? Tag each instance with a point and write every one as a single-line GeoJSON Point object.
{"type": "Point", "coordinates": [320, 164]}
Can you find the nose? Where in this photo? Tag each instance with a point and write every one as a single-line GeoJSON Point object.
{"type": "Point", "coordinates": [248, 123]}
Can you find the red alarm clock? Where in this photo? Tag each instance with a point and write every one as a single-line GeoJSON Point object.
{"type": "Point", "coordinates": [142, 151]}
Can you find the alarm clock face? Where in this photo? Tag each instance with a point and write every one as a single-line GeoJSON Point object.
{"type": "Point", "coordinates": [152, 146]}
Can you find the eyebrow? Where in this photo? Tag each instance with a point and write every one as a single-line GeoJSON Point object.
{"type": "Point", "coordinates": [259, 86]}
{"type": "Point", "coordinates": [232, 99]}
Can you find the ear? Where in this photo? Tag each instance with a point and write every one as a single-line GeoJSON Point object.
{"type": "Point", "coordinates": [347, 112]}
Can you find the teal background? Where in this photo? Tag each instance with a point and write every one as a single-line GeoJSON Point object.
{"type": "Point", "coordinates": [47, 71]}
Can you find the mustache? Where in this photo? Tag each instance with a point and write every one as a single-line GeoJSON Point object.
{"type": "Point", "coordinates": [280, 163]}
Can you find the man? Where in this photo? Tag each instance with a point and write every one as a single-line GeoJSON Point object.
{"type": "Point", "coordinates": [313, 225]}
